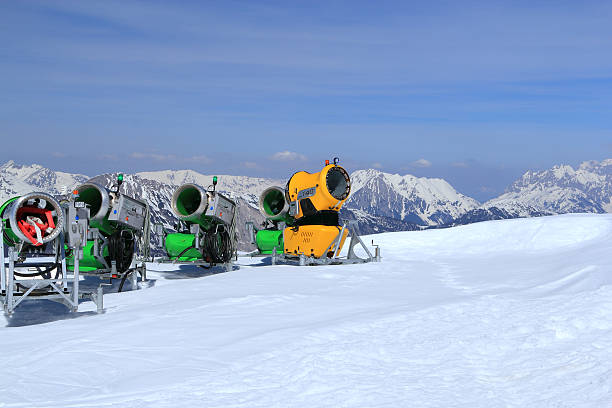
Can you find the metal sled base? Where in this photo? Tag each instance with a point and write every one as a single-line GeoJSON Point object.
{"type": "Point", "coordinates": [112, 273]}
{"type": "Point", "coordinates": [228, 266]}
{"type": "Point", "coordinates": [351, 257]}
{"type": "Point", "coordinates": [64, 288]}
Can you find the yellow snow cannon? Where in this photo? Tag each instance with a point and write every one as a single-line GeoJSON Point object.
{"type": "Point", "coordinates": [314, 201]}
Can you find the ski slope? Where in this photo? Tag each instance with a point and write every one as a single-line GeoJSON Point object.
{"type": "Point", "coordinates": [513, 313]}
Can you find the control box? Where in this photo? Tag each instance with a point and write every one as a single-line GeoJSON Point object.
{"type": "Point", "coordinates": [77, 222]}
{"type": "Point", "coordinates": [129, 212]}
{"type": "Point", "coordinates": [220, 208]}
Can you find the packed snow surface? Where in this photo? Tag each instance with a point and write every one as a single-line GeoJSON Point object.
{"type": "Point", "coordinates": [513, 313]}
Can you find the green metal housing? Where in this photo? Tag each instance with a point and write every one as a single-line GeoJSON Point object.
{"type": "Point", "coordinates": [267, 240]}
{"type": "Point", "coordinates": [178, 243]}
{"type": "Point", "coordinates": [9, 236]}
{"type": "Point", "coordinates": [273, 205]}
{"type": "Point", "coordinates": [89, 263]}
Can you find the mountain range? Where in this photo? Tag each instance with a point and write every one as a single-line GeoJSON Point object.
{"type": "Point", "coordinates": [380, 201]}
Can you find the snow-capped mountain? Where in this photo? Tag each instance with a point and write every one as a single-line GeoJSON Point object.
{"type": "Point", "coordinates": [16, 179]}
{"type": "Point", "coordinates": [380, 201]}
{"type": "Point", "coordinates": [418, 200]}
{"type": "Point", "coordinates": [559, 190]}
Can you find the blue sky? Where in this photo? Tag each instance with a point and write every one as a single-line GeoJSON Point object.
{"type": "Point", "coordinates": [474, 92]}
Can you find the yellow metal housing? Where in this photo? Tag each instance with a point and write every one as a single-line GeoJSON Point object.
{"type": "Point", "coordinates": [327, 189]}
{"type": "Point", "coordinates": [313, 240]}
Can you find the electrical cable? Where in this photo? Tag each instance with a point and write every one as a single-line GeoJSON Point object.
{"type": "Point", "coordinates": [121, 249]}
{"type": "Point", "coordinates": [218, 246]}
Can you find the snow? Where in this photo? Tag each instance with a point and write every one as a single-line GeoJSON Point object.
{"type": "Point", "coordinates": [559, 190]}
{"type": "Point", "coordinates": [509, 313]}
{"type": "Point", "coordinates": [16, 180]}
{"type": "Point", "coordinates": [423, 197]}
{"type": "Point", "coordinates": [240, 185]}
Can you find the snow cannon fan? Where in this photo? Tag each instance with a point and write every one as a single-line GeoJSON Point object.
{"type": "Point", "coordinates": [314, 201]}
{"type": "Point", "coordinates": [31, 220]}
{"type": "Point", "coordinates": [115, 221]}
{"type": "Point", "coordinates": [273, 206]}
{"type": "Point", "coordinates": [206, 232]}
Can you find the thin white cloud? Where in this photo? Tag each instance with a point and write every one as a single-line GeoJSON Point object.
{"type": "Point", "coordinates": [110, 157]}
{"type": "Point", "coordinates": [153, 156]}
{"type": "Point", "coordinates": [249, 165]}
{"type": "Point", "coordinates": [460, 164]}
{"type": "Point", "coordinates": [288, 156]}
{"type": "Point", "coordinates": [377, 165]}
{"type": "Point", "coordinates": [421, 163]}
{"type": "Point", "coordinates": [200, 159]}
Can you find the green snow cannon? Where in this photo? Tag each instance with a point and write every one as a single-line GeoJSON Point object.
{"type": "Point", "coordinates": [274, 206]}
{"type": "Point", "coordinates": [208, 218]}
{"type": "Point", "coordinates": [32, 219]}
{"type": "Point", "coordinates": [115, 219]}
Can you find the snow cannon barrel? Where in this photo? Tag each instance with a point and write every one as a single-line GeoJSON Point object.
{"type": "Point", "coordinates": [273, 205]}
{"type": "Point", "coordinates": [111, 211]}
{"type": "Point", "coordinates": [189, 203]}
{"type": "Point", "coordinates": [35, 218]}
{"type": "Point", "coordinates": [313, 193]}
{"type": "Point", "coordinates": [98, 199]}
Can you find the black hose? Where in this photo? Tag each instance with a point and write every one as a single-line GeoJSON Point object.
{"type": "Point", "coordinates": [183, 252]}
{"type": "Point", "coordinates": [121, 249]}
{"type": "Point", "coordinates": [218, 246]}
{"type": "Point", "coordinates": [125, 275]}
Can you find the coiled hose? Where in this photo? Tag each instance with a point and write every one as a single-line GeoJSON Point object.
{"type": "Point", "coordinates": [121, 249]}
{"type": "Point", "coordinates": [218, 246]}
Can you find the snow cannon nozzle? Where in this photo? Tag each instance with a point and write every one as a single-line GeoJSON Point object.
{"type": "Point", "coordinates": [312, 193]}
{"type": "Point", "coordinates": [34, 218]}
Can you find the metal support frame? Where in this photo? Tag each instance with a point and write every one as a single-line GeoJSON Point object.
{"type": "Point", "coordinates": [351, 258]}
{"type": "Point", "coordinates": [55, 289]}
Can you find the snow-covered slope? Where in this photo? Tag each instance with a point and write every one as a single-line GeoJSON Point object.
{"type": "Point", "coordinates": [16, 180]}
{"type": "Point", "coordinates": [561, 190]}
{"type": "Point", "coordinates": [512, 313]}
{"type": "Point", "coordinates": [424, 201]}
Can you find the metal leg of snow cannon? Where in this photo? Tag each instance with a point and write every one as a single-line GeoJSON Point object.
{"type": "Point", "coordinates": [8, 307]}
{"type": "Point", "coordinates": [98, 299]}
{"type": "Point", "coordinates": [62, 250]}
{"type": "Point", "coordinates": [274, 256]}
{"type": "Point", "coordinates": [377, 256]}
{"type": "Point", "coordinates": [75, 284]}
{"type": "Point", "coordinates": [356, 239]}
{"type": "Point", "coordinates": [2, 262]}
{"type": "Point", "coordinates": [134, 279]}
{"type": "Point", "coordinates": [351, 258]}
